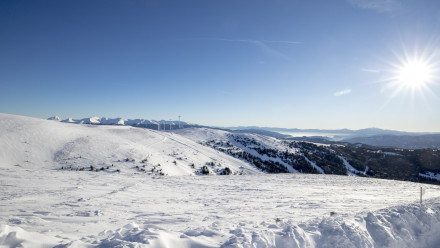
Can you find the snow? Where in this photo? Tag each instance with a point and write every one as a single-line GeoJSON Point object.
{"type": "Point", "coordinates": [108, 121]}
{"type": "Point", "coordinates": [38, 143]}
{"type": "Point", "coordinates": [12, 236]}
{"type": "Point", "coordinates": [202, 135]}
{"type": "Point", "coordinates": [314, 165]}
{"type": "Point", "coordinates": [96, 209]}
{"type": "Point", "coordinates": [117, 121]}
{"type": "Point", "coordinates": [206, 134]}
{"type": "Point", "coordinates": [44, 206]}
{"type": "Point", "coordinates": [55, 118]}
{"type": "Point", "coordinates": [386, 153]}
{"type": "Point", "coordinates": [350, 169]}
{"type": "Point", "coordinates": [431, 175]}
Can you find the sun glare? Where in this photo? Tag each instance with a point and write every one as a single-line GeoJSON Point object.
{"type": "Point", "coordinates": [414, 74]}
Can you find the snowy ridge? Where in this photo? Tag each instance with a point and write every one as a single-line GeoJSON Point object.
{"type": "Point", "coordinates": [29, 142]}
{"type": "Point", "coordinates": [152, 124]}
{"type": "Point", "coordinates": [266, 153]}
{"type": "Point", "coordinates": [263, 141]}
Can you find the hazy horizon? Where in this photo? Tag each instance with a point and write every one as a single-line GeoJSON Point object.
{"type": "Point", "coordinates": [232, 127]}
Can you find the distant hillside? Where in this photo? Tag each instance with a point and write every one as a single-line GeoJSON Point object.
{"type": "Point", "coordinates": [29, 142]}
{"type": "Point", "coordinates": [273, 155]}
{"type": "Point", "coordinates": [402, 141]}
{"type": "Point", "coordinates": [324, 132]}
{"type": "Point", "coordinates": [263, 132]}
{"type": "Point", "coordinates": [370, 136]}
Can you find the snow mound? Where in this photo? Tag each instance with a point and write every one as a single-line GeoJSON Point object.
{"type": "Point", "coordinates": [402, 226]}
{"type": "Point", "coordinates": [12, 236]}
{"type": "Point", "coordinates": [134, 235]}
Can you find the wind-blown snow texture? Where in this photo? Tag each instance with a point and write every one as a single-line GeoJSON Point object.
{"type": "Point", "coordinates": [42, 205]}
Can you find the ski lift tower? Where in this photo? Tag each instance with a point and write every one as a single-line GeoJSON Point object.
{"type": "Point", "coordinates": [180, 122]}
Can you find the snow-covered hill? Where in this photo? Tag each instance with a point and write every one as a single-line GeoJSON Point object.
{"type": "Point", "coordinates": [273, 155]}
{"type": "Point", "coordinates": [113, 148]}
{"type": "Point", "coordinates": [35, 143]}
{"type": "Point", "coordinates": [78, 186]}
{"type": "Point", "coordinates": [197, 150]}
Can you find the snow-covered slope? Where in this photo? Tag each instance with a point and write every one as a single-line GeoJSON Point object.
{"type": "Point", "coordinates": [43, 208]}
{"type": "Point", "coordinates": [52, 144]}
{"type": "Point", "coordinates": [196, 150]}
{"type": "Point", "coordinates": [272, 155]}
{"type": "Point", "coordinates": [35, 143]}
{"type": "Point", "coordinates": [42, 205]}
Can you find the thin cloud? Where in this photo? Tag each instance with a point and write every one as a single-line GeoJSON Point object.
{"type": "Point", "coordinates": [263, 45]}
{"type": "Point", "coordinates": [269, 50]}
{"type": "Point", "coordinates": [370, 70]}
{"type": "Point", "coordinates": [254, 41]}
{"type": "Point", "coordinates": [224, 92]}
{"type": "Point", "coordinates": [377, 5]}
{"type": "Point", "coordinates": [342, 92]}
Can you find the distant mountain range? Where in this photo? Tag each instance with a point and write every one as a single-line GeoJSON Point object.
{"type": "Point", "coordinates": [400, 141]}
{"type": "Point", "coordinates": [151, 124]}
{"type": "Point", "coordinates": [324, 132]}
{"type": "Point", "coordinates": [369, 136]}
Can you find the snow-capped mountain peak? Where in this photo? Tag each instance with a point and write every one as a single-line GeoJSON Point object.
{"type": "Point", "coordinates": [151, 124]}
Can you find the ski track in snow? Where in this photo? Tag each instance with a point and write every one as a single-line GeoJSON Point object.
{"type": "Point", "coordinates": [351, 171]}
{"type": "Point", "coordinates": [314, 165]}
{"type": "Point", "coordinates": [264, 157]}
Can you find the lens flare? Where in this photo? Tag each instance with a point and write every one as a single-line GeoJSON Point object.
{"type": "Point", "coordinates": [412, 73]}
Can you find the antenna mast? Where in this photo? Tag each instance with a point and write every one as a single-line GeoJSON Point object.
{"type": "Point", "coordinates": [179, 122]}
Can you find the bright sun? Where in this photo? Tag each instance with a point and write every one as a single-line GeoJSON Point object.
{"type": "Point", "coordinates": [414, 74]}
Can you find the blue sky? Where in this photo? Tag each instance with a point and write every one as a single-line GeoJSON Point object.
{"type": "Point", "coordinates": [287, 63]}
